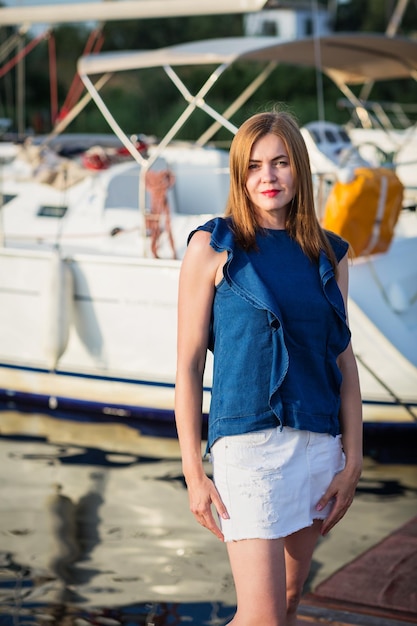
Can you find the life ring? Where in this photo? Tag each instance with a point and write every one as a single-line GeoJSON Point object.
{"type": "Point", "coordinates": [96, 159]}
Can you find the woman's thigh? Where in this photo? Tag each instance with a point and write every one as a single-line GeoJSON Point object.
{"type": "Point", "coordinates": [258, 567]}
{"type": "Point", "coordinates": [299, 548]}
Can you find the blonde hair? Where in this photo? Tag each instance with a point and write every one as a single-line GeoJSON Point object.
{"type": "Point", "coordinates": [302, 223]}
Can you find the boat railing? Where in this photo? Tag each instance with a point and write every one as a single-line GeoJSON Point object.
{"type": "Point", "coordinates": [384, 115]}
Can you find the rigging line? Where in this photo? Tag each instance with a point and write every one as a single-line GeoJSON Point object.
{"type": "Point", "coordinates": [381, 287]}
{"type": "Point", "coordinates": [93, 44]}
{"type": "Point", "coordinates": [10, 43]}
{"type": "Point", "coordinates": [63, 121]}
{"type": "Point", "coordinates": [79, 87]}
{"type": "Point", "coordinates": [23, 52]}
{"type": "Point", "coordinates": [95, 47]}
{"type": "Point", "coordinates": [390, 31]}
{"type": "Point", "coordinates": [318, 63]}
{"type": "Point", "coordinates": [397, 399]}
{"type": "Point", "coordinates": [48, 237]}
{"type": "Point", "coordinates": [53, 82]}
{"type": "Point", "coordinates": [6, 48]}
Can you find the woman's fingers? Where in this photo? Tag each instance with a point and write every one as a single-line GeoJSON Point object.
{"type": "Point", "coordinates": [341, 492]}
{"type": "Point", "coordinates": [201, 502]}
{"type": "Point", "coordinates": [209, 522]}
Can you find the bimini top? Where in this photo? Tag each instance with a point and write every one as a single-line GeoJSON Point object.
{"type": "Point", "coordinates": [347, 58]}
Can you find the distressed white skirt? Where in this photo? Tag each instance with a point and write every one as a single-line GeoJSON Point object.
{"type": "Point", "coordinates": [271, 480]}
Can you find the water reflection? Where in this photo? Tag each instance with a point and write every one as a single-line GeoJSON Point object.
{"type": "Point", "coordinates": [95, 528]}
{"type": "Point", "coordinates": [88, 537]}
{"type": "Point", "coordinates": [156, 614]}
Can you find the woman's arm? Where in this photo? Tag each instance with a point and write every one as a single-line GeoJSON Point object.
{"type": "Point", "coordinates": [199, 273]}
{"type": "Point", "coordinates": [343, 486]}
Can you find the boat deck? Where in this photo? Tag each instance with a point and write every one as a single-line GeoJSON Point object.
{"type": "Point", "coordinates": [378, 588]}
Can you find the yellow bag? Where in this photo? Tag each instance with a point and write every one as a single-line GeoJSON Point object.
{"type": "Point", "coordinates": [365, 210]}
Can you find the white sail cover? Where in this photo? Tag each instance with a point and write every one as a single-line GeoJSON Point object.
{"type": "Point", "coordinates": [123, 10]}
{"type": "Point", "coordinates": [352, 58]}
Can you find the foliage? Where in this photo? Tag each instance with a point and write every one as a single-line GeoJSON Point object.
{"type": "Point", "coordinates": [150, 104]}
{"type": "Point", "coordinates": [374, 16]}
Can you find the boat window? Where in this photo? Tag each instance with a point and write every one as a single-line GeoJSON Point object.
{"type": "Point", "coordinates": [7, 197]}
{"type": "Point", "coordinates": [52, 211]}
{"type": "Point", "coordinates": [308, 27]}
{"type": "Point", "coordinates": [344, 136]}
{"type": "Point", "coordinates": [330, 136]}
{"type": "Point", "coordinates": [315, 135]}
{"type": "Point", "coordinates": [270, 28]}
{"type": "Point", "coordinates": [123, 191]}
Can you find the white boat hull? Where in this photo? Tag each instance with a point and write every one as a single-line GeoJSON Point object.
{"type": "Point", "coordinates": [105, 341]}
{"type": "Point", "coordinates": [119, 326]}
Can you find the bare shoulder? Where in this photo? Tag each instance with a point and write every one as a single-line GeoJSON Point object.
{"type": "Point", "coordinates": [200, 250]}
{"type": "Point", "coordinates": [200, 242]}
{"type": "Point", "coordinates": [201, 256]}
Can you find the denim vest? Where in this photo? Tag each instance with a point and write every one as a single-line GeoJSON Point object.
{"type": "Point", "coordinates": [278, 326]}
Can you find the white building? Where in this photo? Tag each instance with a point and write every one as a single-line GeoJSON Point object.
{"type": "Point", "coordinates": [288, 21]}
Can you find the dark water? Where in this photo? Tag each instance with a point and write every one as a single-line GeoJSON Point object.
{"type": "Point", "coordinates": [95, 529]}
{"type": "Point", "coordinates": [92, 536]}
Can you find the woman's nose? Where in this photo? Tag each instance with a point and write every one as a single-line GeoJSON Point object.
{"type": "Point", "coordinates": [268, 173]}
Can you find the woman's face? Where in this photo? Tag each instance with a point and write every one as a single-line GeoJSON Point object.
{"type": "Point", "coordinates": [270, 182]}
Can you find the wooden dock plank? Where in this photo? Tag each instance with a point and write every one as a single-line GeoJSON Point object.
{"type": "Point", "coordinates": [378, 588]}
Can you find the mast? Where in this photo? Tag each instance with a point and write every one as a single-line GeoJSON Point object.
{"type": "Point", "coordinates": [390, 31]}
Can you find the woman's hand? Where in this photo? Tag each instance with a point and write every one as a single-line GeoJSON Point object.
{"type": "Point", "coordinates": [341, 490]}
{"type": "Point", "coordinates": [202, 495]}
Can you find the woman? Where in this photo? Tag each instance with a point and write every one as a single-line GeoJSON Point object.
{"type": "Point", "coordinates": [266, 289]}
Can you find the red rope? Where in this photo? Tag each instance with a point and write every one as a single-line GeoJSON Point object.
{"type": "Point", "coordinates": [53, 82]}
{"type": "Point", "coordinates": [93, 45]}
{"type": "Point", "coordinates": [28, 48]}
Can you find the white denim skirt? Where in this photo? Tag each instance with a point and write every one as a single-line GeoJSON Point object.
{"type": "Point", "coordinates": [271, 480]}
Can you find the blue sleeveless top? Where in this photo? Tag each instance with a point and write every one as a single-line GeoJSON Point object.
{"type": "Point", "coordinates": [278, 326]}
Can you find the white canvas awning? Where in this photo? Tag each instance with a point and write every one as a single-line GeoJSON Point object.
{"type": "Point", "coordinates": [347, 58]}
{"type": "Point", "coordinates": [121, 10]}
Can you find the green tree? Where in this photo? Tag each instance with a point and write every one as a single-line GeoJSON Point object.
{"type": "Point", "coordinates": [374, 16]}
{"type": "Point", "coordinates": [148, 102]}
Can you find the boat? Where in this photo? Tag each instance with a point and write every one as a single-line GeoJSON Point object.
{"type": "Point", "coordinates": [89, 270]}
{"type": "Point", "coordinates": [385, 134]}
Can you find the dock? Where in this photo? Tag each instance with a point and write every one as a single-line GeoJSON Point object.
{"type": "Point", "coordinates": [378, 588]}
